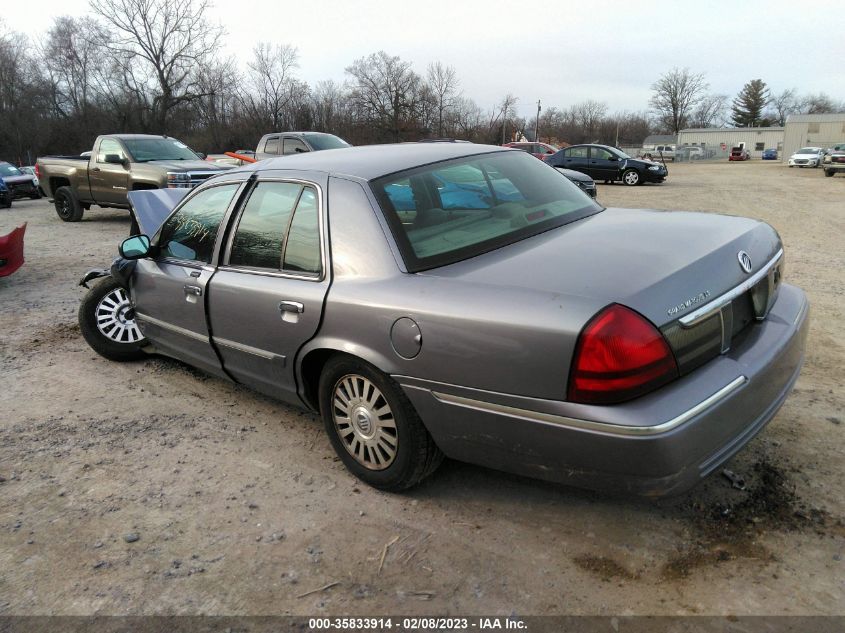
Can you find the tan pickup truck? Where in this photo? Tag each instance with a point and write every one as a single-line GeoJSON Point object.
{"type": "Point", "coordinates": [118, 164]}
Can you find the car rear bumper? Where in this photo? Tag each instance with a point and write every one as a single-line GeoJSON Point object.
{"type": "Point", "coordinates": [660, 444]}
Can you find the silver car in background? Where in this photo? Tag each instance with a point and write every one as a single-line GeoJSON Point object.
{"type": "Point", "coordinates": [465, 300]}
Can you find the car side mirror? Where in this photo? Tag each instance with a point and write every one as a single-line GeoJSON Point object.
{"type": "Point", "coordinates": [114, 159]}
{"type": "Point", "coordinates": [135, 247]}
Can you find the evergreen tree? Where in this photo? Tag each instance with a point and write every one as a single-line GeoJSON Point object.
{"type": "Point", "coordinates": [747, 108]}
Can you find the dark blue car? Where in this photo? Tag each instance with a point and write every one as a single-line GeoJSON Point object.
{"type": "Point", "coordinates": [5, 195]}
{"type": "Point", "coordinates": [770, 154]}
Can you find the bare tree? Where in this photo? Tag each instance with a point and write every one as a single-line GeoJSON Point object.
{"type": "Point", "coordinates": [711, 111]}
{"type": "Point", "coordinates": [820, 104]}
{"type": "Point", "coordinates": [163, 44]}
{"type": "Point", "coordinates": [443, 83]}
{"type": "Point", "coordinates": [272, 86]}
{"type": "Point", "coordinates": [676, 94]}
{"type": "Point", "coordinates": [385, 92]}
{"type": "Point", "coordinates": [782, 105]}
{"type": "Point", "coordinates": [70, 52]}
{"type": "Point", "coordinates": [588, 114]}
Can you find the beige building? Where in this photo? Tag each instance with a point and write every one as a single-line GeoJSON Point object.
{"type": "Point", "coordinates": [718, 142]}
{"type": "Point", "coordinates": [813, 130]}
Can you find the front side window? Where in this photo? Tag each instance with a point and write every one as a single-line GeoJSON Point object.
{"type": "Point", "coordinates": [190, 233]}
{"type": "Point", "coordinates": [600, 154]}
{"type": "Point", "coordinates": [109, 146]}
{"type": "Point", "coordinates": [294, 146]}
{"type": "Point", "coordinates": [446, 212]}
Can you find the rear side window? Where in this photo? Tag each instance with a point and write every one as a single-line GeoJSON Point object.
{"type": "Point", "coordinates": [190, 233]}
{"type": "Point", "coordinates": [577, 152]}
{"type": "Point", "coordinates": [263, 225]}
{"type": "Point", "coordinates": [272, 145]}
{"type": "Point", "coordinates": [279, 229]}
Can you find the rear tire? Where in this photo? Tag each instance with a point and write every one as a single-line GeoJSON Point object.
{"type": "Point", "coordinates": [107, 322]}
{"type": "Point", "coordinates": [67, 205]}
{"type": "Point", "coordinates": [373, 427]}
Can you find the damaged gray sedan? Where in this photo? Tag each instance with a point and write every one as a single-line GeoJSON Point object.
{"type": "Point", "coordinates": [469, 301]}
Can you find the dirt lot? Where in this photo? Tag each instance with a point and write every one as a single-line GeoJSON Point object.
{"type": "Point", "coordinates": [240, 507]}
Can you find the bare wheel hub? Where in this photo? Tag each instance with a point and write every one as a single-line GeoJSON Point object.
{"type": "Point", "coordinates": [364, 422]}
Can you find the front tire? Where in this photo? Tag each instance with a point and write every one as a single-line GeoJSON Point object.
{"type": "Point", "coordinates": [631, 177]}
{"type": "Point", "coordinates": [67, 205]}
{"type": "Point", "coordinates": [373, 427]}
{"type": "Point", "coordinates": [107, 322]}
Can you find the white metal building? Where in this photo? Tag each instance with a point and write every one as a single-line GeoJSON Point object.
{"type": "Point", "coordinates": [813, 130]}
{"type": "Point", "coordinates": [719, 141]}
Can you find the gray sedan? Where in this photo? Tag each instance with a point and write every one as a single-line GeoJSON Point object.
{"type": "Point", "coordinates": [465, 300]}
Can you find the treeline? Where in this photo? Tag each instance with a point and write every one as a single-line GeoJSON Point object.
{"type": "Point", "coordinates": [155, 66]}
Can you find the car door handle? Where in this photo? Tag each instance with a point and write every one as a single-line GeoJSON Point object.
{"type": "Point", "coordinates": [291, 306]}
{"type": "Point", "coordinates": [193, 290]}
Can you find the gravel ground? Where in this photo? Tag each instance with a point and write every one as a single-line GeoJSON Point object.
{"type": "Point", "coordinates": [149, 488]}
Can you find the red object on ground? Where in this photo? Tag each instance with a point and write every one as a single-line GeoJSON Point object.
{"type": "Point", "coordinates": [246, 159]}
{"type": "Point", "coordinates": [11, 251]}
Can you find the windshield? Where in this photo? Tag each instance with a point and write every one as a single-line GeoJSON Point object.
{"type": "Point", "coordinates": [619, 152]}
{"type": "Point", "coordinates": [325, 141]}
{"type": "Point", "coordinates": [807, 150]}
{"type": "Point", "coordinates": [9, 170]}
{"type": "Point", "coordinates": [144, 150]}
{"type": "Point", "coordinates": [443, 213]}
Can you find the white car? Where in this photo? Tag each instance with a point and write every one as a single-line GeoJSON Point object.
{"type": "Point", "coordinates": [807, 157]}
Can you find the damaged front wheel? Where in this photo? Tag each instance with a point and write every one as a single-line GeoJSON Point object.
{"type": "Point", "coordinates": [107, 322]}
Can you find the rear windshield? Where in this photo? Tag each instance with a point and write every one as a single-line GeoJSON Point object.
{"type": "Point", "coordinates": [449, 211]}
{"type": "Point", "coordinates": [325, 141]}
{"type": "Point", "coordinates": [144, 150]}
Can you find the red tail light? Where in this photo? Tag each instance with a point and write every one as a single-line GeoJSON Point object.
{"type": "Point", "coordinates": [37, 171]}
{"type": "Point", "coordinates": [620, 355]}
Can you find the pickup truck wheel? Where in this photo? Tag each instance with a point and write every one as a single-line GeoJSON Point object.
{"type": "Point", "coordinates": [828, 172]}
{"type": "Point", "coordinates": [373, 427]}
{"type": "Point", "coordinates": [631, 177]}
{"type": "Point", "coordinates": [107, 322]}
{"type": "Point", "coordinates": [67, 205]}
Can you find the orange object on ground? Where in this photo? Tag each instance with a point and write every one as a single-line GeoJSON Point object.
{"type": "Point", "coordinates": [11, 251]}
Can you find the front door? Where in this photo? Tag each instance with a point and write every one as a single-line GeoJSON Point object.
{"type": "Point", "coordinates": [169, 291]}
{"type": "Point", "coordinates": [603, 164]}
{"type": "Point", "coordinates": [266, 299]}
{"type": "Point", "coordinates": [109, 181]}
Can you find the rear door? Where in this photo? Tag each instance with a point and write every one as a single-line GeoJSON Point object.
{"type": "Point", "coordinates": [169, 291]}
{"type": "Point", "coordinates": [576, 158]}
{"type": "Point", "coordinates": [266, 299]}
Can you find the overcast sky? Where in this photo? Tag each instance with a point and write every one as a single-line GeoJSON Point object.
{"type": "Point", "coordinates": [562, 52]}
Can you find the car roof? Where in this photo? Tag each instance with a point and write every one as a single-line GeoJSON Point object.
{"type": "Point", "coordinates": [301, 133]}
{"type": "Point", "coordinates": [369, 162]}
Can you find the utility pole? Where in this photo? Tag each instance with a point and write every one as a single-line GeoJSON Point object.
{"type": "Point", "coordinates": [537, 124]}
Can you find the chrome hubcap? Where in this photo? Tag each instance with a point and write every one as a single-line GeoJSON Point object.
{"type": "Point", "coordinates": [116, 318]}
{"type": "Point", "coordinates": [364, 422]}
